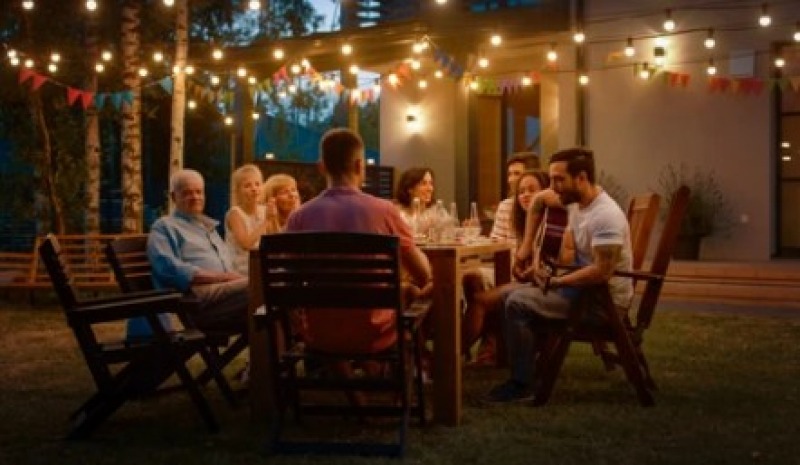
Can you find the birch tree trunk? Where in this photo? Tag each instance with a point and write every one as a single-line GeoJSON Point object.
{"type": "Point", "coordinates": [92, 144]}
{"type": "Point", "coordinates": [132, 197]}
{"type": "Point", "coordinates": [179, 88]}
{"type": "Point", "coordinates": [58, 223]}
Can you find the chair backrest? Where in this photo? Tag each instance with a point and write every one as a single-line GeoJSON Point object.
{"type": "Point", "coordinates": [669, 236]}
{"type": "Point", "coordinates": [323, 270]}
{"type": "Point", "coordinates": [128, 258]}
{"type": "Point", "coordinates": [642, 215]}
{"type": "Point", "coordinates": [57, 268]}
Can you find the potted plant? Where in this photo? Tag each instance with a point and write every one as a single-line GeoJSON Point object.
{"type": "Point", "coordinates": [709, 212]}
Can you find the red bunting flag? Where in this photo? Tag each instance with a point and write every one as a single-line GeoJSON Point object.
{"type": "Point", "coordinates": [38, 80]}
{"type": "Point", "coordinates": [25, 74]}
{"type": "Point", "coordinates": [87, 98]}
{"type": "Point", "coordinates": [72, 95]}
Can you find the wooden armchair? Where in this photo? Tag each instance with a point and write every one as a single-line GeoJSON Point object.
{"type": "Point", "coordinates": [329, 272]}
{"type": "Point", "coordinates": [144, 364]}
{"type": "Point", "coordinates": [626, 338]}
{"type": "Point", "coordinates": [133, 272]}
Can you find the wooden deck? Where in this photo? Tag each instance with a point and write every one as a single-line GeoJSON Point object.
{"type": "Point", "coordinates": [775, 282]}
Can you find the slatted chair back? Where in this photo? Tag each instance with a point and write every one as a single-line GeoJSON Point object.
{"type": "Point", "coordinates": [128, 259]}
{"type": "Point", "coordinates": [329, 272]}
{"type": "Point", "coordinates": [642, 215]}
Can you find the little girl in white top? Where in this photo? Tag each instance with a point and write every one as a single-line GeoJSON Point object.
{"type": "Point", "coordinates": [246, 220]}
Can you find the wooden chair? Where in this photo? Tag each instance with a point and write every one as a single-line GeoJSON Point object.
{"type": "Point", "coordinates": [328, 272]}
{"type": "Point", "coordinates": [642, 216]}
{"type": "Point", "coordinates": [144, 364]}
{"type": "Point", "coordinates": [128, 258]}
{"type": "Point", "coordinates": [626, 338]}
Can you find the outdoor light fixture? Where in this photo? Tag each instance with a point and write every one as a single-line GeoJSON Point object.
{"type": "Point", "coordinates": [711, 70]}
{"type": "Point", "coordinates": [669, 23]}
{"type": "Point", "coordinates": [645, 72]}
{"type": "Point", "coordinates": [552, 55]}
{"type": "Point", "coordinates": [413, 120]}
{"type": "Point", "coordinates": [764, 20]}
{"type": "Point", "coordinates": [710, 43]}
{"type": "Point", "coordinates": [629, 50]}
{"type": "Point", "coordinates": [14, 61]}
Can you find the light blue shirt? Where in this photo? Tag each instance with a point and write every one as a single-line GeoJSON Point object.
{"type": "Point", "coordinates": [178, 246]}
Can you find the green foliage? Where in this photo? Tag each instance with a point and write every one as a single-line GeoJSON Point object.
{"type": "Point", "coordinates": [709, 210]}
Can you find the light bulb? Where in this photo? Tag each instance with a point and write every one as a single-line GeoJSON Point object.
{"type": "Point", "coordinates": [780, 62]}
{"type": "Point", "coordinates": [552, 55]}
{"type": "Point", "coordinates": [27, 4]}
{"type": "Point", "coordinates": [415, 64]}
{"type": "Point", "coordinates": [11, 53]}
{"type": "Point", "coordinates": [91, 5]}
{"type": "Point", "coordinates": [711, 69]}
{"type": "Point", "coordinates": [14, 61]}
{"type": "Point", "coordinates": [52, 67]}
{"type": "Point", "coordinates": [292, 88]}
{"type": "Point", "coordinates": [214, 80]}
{"type": "Point", "coordinates": [158, 57]}
{"type": "Point", "coordinates": [423, 84]}
{"type": "Point", "coordinates": [669, 23]}
{"type": "Point", "coordinates": [483, 62]}
{"type": "Point", "coordinates": [169, 2]}
{"type": "Point", "coordinates": [347, 49]}
{"type": "Point", "coordinates": [278, 54]}
{"type": "Point", "coordinates": [254, 5]}
{"type": "Point", "coordinates": [143, 72]}
{"type": "Point", "coordinates": [438, 74]}
{"type": "Point", "coordinates": [579, 37]}
{"type": "Point", "coordinates": [106, 55]}
{"type": "Point", "coordinates": [29, 63]}
{"type": "Point", "coordinates": [796, 35]}
{"type": "Point", "coordinates": [295, 68]}
{"type": "Point", "coordinates": [255, 116]}
{"type": "Point", "coordinates": [644, 73]}
{"type": "Point", "coordinates": [354, 69]}
{"type": "Point", "coordinates": [189, 69]}
{"type": "Point", "coordinates": [393, 79]}
{"type": "Point", "coordinates": [496, 40]}
{"type": "Point", "coordinates": [473, 85]}
{"type": "Point", "coordinates": [241, 72]}
{"type": "Point", "coordinates": [216, 54]}
{"type": "Point", "coordinates": [629, 50]}
{"type": "Point", "coordinates": [55, 57]}
{"type": "Point", "coordinates": [583, 79]}
{"type": "Point", "coordinates": [191, 104]}
{"type": "Point", "coordinates": [526, 81]}
{"type": "Point", "coordinates": [252, 80]}
{"type": "Point", "coordinates": [764, 20]}
{"type": "Point", "coordinates": [229, 121]}
{"type": "Point", "coordinates": [99, 67]}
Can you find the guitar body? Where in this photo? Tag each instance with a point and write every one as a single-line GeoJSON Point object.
{"type": "Point", "coordinates": [550, 236]}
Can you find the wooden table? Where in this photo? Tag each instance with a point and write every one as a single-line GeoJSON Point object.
{"type": "Point", "coordinates": [449, 263]}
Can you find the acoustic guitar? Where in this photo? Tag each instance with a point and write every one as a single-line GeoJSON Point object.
{"type": "Point", "coordinates": [549, 240]}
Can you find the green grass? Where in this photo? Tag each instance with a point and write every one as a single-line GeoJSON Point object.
{"type": "Point", "coordinates": [728, 395]}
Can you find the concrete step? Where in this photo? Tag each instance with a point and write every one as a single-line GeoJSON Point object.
{"type": "Point", "coordinates": [773, 282]}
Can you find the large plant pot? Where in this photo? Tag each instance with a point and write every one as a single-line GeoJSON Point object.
{"type": "Point", "coordinates": [687, 247]}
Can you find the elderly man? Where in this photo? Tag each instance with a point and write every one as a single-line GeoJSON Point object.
{"type": "Point", "coordinates": [343, 207]}
{"type": "Point", "coordinates": [188, 254]}
{"type": "Point", "coordinates": [602, 244]}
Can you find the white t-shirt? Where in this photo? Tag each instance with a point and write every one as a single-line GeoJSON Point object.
{"type": "Point", "coordinates": [602, 222]}
{"type": "Point", "coordinates": [241, 256]}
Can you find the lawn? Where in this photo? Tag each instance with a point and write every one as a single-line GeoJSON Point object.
{"type": "Point", "coordinates": [729, 394]}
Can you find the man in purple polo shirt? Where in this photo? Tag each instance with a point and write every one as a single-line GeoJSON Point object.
{"type": "Point", "coordinates": [343, 207]}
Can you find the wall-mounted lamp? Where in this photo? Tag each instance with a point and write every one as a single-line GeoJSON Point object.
{"type": "Point", "coordinates": [413, 120]}
{"type": "Point", "coordinates": [660, 55]}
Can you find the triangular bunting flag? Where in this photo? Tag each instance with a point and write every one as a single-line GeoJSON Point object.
{"type": "Point", "coordinates": [100, 100]}
{"type": "Point", "coordinates": [72, 95]}
{"type": "Point", "coordinates": [86, 99]}
{"type": "Point", "coordinates": [166, 84]}
{"type": "Point", "coordinates": [116, 100]}
{"type": "Point", "coordinates": [127, 97]}
{"type": "Point", "coordinates": [25, 74]}
{"type": "Point", "coordinates": [38, 80]}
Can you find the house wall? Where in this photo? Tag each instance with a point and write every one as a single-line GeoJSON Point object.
{"type": "Point", "coordinates": [635, 127]}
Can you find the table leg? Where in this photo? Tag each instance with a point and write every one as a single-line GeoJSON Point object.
{"type": "Point", "coordinates": [447, 341]}
{"type": "Point", "coordinates": [262, 404]}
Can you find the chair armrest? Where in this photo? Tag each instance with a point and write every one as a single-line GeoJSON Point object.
{"type": "Point", "coordinates": [126, 296]}
{"type": "Point", "coordinates": [644, 275]}
{"type": "Point", "coordinates": [131, 307]}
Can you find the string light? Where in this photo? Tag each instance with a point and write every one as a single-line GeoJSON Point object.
{"type": "Point", "coordinates": [229, 121]}
{"type": "Point", "coordinates": [252, 80]}
{"type": "Point", "coordinates": [191, 104]}
{"type": "Point", "coordinates": [441, 2]}
{"type": "Point", "coordinates": [295, 68]}
{"type": "Point", "coordinates": [254, 5]}
{"type": "Point", "coordinates": [583, 79]}
{"type": "Point", "coordinates": [292, 88]}
{"type": "Point", "coordinates": [473, 85]}
{"type": "Point", "coordinates": [27, 4]}
{"type": "Point", "coordinates": [780, 62]}
{"type": "Point", "coordinates": [169, 2]}
{"type": "Point", "coordinates": [526, 81]}
{"type": "Point", "coordinates": [415, 64]}
{"type": "Point", "coordinates": [496, 40]}
{"type": "Point", "coordinates": [158, 57]}
{"type": "Point", "coordinates": [99, 67]}
{"type": "Point", "coordinates": [214, 80]}
{"type": "Point", "coordinates": [438, 74]}
{"type": "Point", "coordinates": [52, 67]}
{"type": "Point", "coordinates": [278, 54]}
{"type": "Point", "coordinates": [55, 57]}
{"type": "Point", "coordinates": [764, 20]}
{"type": "Point", "coordinates": [255, 116]}
{"type": "Point", "coordinates": [347, 49]}
{"type": "Point", "coordinates": [579, 37]}
{"type": "Point", "coordinates": [710, 43]}
{"type": "Point", "coordinates": [552, 55]}
{"type": "Point", "coordinates": [711, 69]}
{"type": "Point", "coordinates": [143, 72]}
{"type": "Point", "coordinates": [217, 54]}
{"type": "Point", "coordinates": [305, 63]}
{"type": "Point", "coordinates": [669, 23]}
{"type": "Point", "coordinates": [176, 69]}
{"type": "Point", "coordinates": [644, 71]}
{"type": "Point", "coordinates": [629, 50]}
{"type": "Point", "coordinates": [14, 61]}
{"type": "Point", "coordinates": [354, 69]}
{"type": "Point", "coordinates": [483, 62]}
{"type": "Point", "coordinates": [796, 35]}
{"type": "Point", "coordinates": [419, 46]}
{"type": "Point", "coordinates": [91, 5]}
{"type": "Point", "coordinates": [106, 55]}
{"type": "Point", "coordinates": [241, 72]}
{"type": "Point", "coordinates": [423, 84]}
{"type": "Point", "coordinates": [189, 69]}
{"type": "Point", "coordinates": [11, 53]}
{"type": "Point", "coordinates": [393, 79]}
